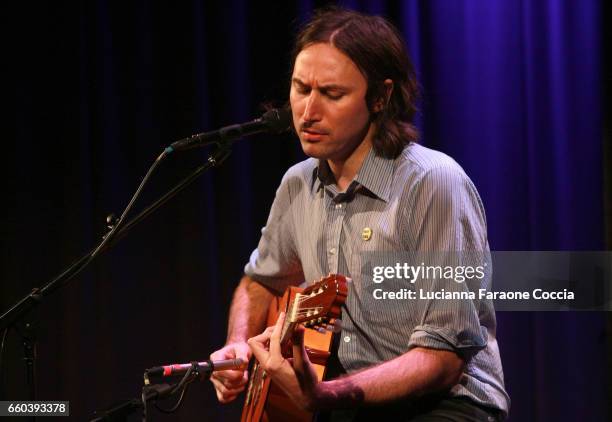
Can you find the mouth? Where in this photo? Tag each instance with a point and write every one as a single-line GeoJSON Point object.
{"type": "Point", "coordinates": [312, 135]}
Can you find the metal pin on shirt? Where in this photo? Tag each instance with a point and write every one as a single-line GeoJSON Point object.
{"type": "Point", "coordinates": [366, 233]}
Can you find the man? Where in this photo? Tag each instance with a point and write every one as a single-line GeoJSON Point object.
{"type": "Point", "coordinates": [367, 188]}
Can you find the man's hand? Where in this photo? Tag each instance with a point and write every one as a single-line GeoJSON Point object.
{"type": "Point", "coordinates": [295, 376]}
{"type": "Point", "coordinates": [229, 384]}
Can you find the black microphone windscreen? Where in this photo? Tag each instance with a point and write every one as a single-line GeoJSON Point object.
{"type": "Point", "coordinates": [278, 120]}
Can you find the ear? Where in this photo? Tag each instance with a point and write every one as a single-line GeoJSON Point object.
{"type": "Point", "coordinates": [382, 102]}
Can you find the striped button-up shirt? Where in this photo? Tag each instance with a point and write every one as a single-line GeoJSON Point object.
{"type": "Point", "coordinates": [419, 202]}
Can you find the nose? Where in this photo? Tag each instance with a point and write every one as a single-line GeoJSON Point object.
{"type": "Point", "coordinates": [312, 112]}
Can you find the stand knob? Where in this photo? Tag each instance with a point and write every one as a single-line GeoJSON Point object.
{"type": "Point", "coordinates": [111, 221]}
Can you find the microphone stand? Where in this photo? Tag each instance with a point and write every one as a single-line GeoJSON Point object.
{"type": "Point", "coordinates": [24, 306]}
{"type": "Point", "coordinates": [152, 393]}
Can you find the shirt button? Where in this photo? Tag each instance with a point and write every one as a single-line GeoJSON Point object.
{"type": "Point", "coordinates": [332, 251]}
{"type": "Point", "coordinates": [347, 339]}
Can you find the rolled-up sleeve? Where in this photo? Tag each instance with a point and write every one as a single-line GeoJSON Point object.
{"type": "Point", "coordinates": [275, 263]}
{"type": "Point", "coordinates": [448, 217]}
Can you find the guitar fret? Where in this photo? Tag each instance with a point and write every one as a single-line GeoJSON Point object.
{"type": "Point", "coordinates": [313, 308]}
{"type": "Point", "coordinates": [294, 308]}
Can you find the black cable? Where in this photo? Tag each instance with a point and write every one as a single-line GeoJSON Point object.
{"type": "Point", "coordinates": [4, 335]}
{"type": "Point", "coordinates": [118, 229]}
{"type": "Point", "coordinates": [81, 263]}
{"type": "Point", "coordinates": [185, 378]}
{"type": "Point", "coordinates": [24, 305]}
{"type": "Point", "coordinates": [177, 404]}
{"type": "Point", "coordinates": [181, 385]}
{"type": "Point", "coordinates": [215, 159]}
{"type": "Point", "coordinates": [129, 206]}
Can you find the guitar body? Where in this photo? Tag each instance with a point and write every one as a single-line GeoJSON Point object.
{"type": "Point", "coordinates": [266, 402]}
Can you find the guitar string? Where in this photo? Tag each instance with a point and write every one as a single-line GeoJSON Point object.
{"type": "Point", "coordinates": [307, 310]}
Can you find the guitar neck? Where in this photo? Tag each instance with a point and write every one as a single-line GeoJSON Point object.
{"type": "Point", "coordinates": [315, 306]}
{"type": "Point", "coordinates": [289, 324]}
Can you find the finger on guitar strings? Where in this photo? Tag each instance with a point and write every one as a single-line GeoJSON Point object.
{"type": "Point", "coordinates": [275, 347]}
{"type": "Point", "coordinates": [259, 345]}
{"type": "Point", "coordinates": [300, 356]}
{"type": "Point", "coordinates": [264, 337]}
{"type": "Point", "coordinates": [267, 344]}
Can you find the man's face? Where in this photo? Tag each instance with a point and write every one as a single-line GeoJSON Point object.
{"type": "Point", "coordinates": [327, 98]}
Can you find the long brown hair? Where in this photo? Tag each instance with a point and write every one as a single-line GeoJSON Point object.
{"type": "Point", "coordinates": [376, 47]}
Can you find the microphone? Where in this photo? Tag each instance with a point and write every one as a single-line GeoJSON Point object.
{"type": "Point", "coordinates": [203, 367]}
{"type": "Point", "coordinates": [276, 120]}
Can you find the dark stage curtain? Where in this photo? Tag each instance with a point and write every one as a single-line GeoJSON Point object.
{"type": "Point", "coordinates": [95, 90]}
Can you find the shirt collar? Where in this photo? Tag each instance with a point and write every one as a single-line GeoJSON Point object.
{"type": "Point", "coordinates": [375, 175]}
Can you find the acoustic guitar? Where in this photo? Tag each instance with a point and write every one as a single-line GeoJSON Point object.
{"type": "Point", "coordinates": [316, 307]}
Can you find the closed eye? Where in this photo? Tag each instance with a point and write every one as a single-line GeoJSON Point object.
{"type": "Point", "coordinates": [334, 95]}
{"type": "Point", "coordinates": [300, 87]}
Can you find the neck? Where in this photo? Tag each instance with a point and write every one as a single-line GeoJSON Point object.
{"type": "Point", "coordinates": [344, 170]}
